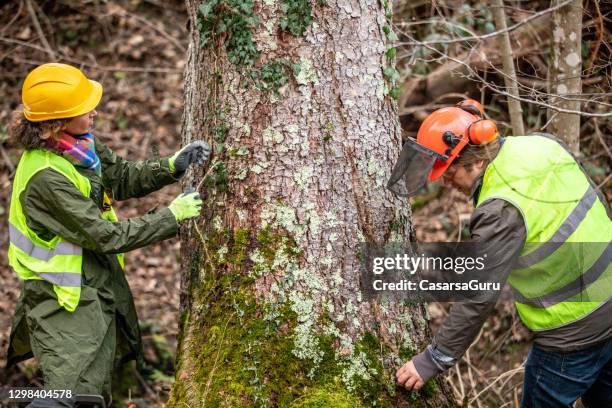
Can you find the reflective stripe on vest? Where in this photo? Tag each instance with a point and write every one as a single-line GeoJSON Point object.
{"type": "Point", "coordinates": [56, 261]}
{"type": "Point", "coordinates": [563, 272]}
{"type": "Point", "coordinates": [573, 288]}
{"type": "Point", "coordinates": [22, 242]}
{"type": "Point", "coordinates": [563, 233]}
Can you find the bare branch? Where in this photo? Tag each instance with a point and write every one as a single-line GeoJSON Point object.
{"type": "Point", "coordinates": [475, 76]}
{"type": "Point", "coordinates": [492, 34]}
{"type": "Point", "coordinates": [39, 30]}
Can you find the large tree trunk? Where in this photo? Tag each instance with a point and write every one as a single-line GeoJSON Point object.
{"type": "Point", "coordinates": [564, 72]}
{"type": "Point", "coordinates": [271, 309]}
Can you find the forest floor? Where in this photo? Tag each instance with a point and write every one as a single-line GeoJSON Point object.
{"type": "Point", "coordinates": [136, 49]}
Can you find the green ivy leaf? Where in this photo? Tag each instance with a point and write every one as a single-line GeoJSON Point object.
{"type": "Point", "coordinates": [395, 92]}
{"type": "Point", "coordinates": [392, 36]}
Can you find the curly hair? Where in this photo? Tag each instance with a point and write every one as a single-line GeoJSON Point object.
{"type": "Point", "coordinates": [32, 135]}
{"type": "Point", "coordinates": [473, 154]}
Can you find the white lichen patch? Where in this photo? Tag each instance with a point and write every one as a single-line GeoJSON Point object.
{"type": "Point", "coordinates": [572, 59]}
{"type": "Point", "coordinates": [279, 215]}
{"type": "Point", "coordinates": [309, 279]}
{"type": "Point", "coordinates": [312, 218]}
{"type": "Point", "coordinates": [356, 369]}
{"type": "Point", "coordinates": [329, 306]}
{"type": "Point", "coordinates": [242, 151]}
{"type": "Point", "coordinates": [302, 177]}
{"type": "Point", "coordinates": [245, 129]}
{"type": "Point", "coordinates": [337, 279]}
{"type": "Point", "coordinates": [327, 261]}
{"type": "Point", "coordinates": [374, 169]}
{"type": "Point", "coordinates": [305, 340]}
{"type": "Point", "coordinates": [259, 262]}
{"type": "Point", "coordinates": [292, 130]}
{"type": "Point", "coordinates": [241, 174]}
{"type": "Point", "coordinates": [381, 91]}
{"type": "Point", "coordinates": [561, 89]}
{"type": "Point", "coordinates": [349, 103]}
{"type": "Point", "coordinates": [272, 135]}
{"type": "Point", "coordinates": [259, 167]}
{"type": "Point", "coordinates": [307, 74]}
{"type": "Point", "coordinates": [221, 252]}
{"type": "Point", "coordinates": [331, 219]}
{"type": "Point", "coordinates": [217, 223]}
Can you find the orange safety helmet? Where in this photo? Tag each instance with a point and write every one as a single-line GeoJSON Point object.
{"type": "Point", "coordinates": [448, 130]}
{"type": "Point", "coordinates": [440, 139]}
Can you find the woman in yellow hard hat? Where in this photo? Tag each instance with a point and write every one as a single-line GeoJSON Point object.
{"type": "Point", "coordinates": [76, 314]}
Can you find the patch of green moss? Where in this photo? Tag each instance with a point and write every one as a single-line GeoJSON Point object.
{"type": "Point", "coordinates": [326, 396]}
{"type": "Point", "coordinates": [270, 242]}
{"type": "Point", "coordinates": [246, 354]}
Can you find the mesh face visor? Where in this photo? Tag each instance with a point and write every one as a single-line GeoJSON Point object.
{"type": "Point", "coordinates": [412, 168]}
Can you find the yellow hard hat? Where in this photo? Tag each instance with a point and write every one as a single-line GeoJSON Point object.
{"type": "Point", "coordinates": [56, 91]}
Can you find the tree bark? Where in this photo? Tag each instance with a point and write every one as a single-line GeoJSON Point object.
{"type": "Point", "coordinates": [514, 105]}
{"type": "Point", "coordinates": [271, 309]}
{"type": "Point", "coordinates": [564, 75]}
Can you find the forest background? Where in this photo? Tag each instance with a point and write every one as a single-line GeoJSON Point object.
{"type": "Point", "coordinates": [446, 50]}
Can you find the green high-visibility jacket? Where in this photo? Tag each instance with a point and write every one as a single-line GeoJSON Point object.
{"type": "Point", "coordinates": [77, 349]}
{"type": "Point", "coordinates": [563, 272]}
{"type": "Point", "coordinates": [57, 261]}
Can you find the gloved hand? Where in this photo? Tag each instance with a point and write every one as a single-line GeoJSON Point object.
{"type": "Point", "coordinates": [186, 205]}
{"type": "Point", "coordinates": [194, 152]}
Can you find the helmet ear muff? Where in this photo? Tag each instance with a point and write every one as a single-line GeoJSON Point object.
{"type": "Point", "coordinates": [482, 131]}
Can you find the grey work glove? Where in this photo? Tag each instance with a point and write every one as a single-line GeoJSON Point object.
{"type": "Point", "coordinates": [195, 152]}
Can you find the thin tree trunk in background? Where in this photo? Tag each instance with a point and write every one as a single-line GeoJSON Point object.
{"type": "Point", "coordinates": [271, 309]}
{"type": "Point", "coordinates": [564, 73]}
{"type": "Point", "coordinates": [514, 105]}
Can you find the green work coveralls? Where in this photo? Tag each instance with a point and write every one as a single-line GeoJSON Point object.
{"type": "Point", "coordinates": [79, 350]}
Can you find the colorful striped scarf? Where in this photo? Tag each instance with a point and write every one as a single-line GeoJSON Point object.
{"type": "Point", "coordinates": [79, 150]}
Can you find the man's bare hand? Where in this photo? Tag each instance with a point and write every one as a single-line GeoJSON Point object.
{"type": "Point", "coordinates": [408, 377]}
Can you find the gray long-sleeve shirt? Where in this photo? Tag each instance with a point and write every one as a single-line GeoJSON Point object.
{"type": "Point", "coordinates": [500, 228]}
